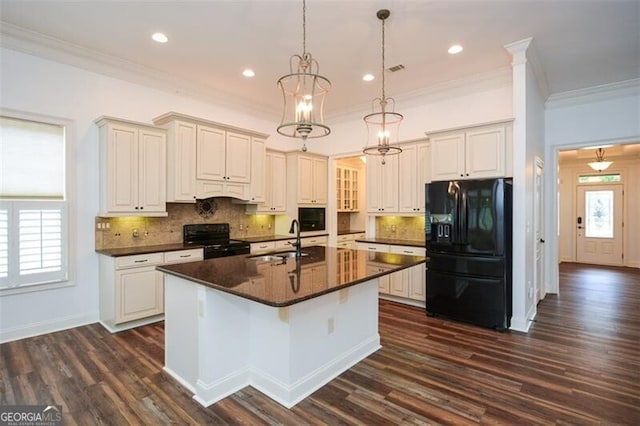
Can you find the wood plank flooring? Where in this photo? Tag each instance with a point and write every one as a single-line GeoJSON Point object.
{"type": "Point", "coordinates": [579, 364]}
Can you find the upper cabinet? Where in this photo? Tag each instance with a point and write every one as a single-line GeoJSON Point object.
{"type": "Point", "coordinates": [209, 159]}
{"type": "Point", "coordinates": [309, 173]}
{"type": "Point", "coordinates": [414, 173]}
{"type": "Point", "coordinates": [132, 168]}
{"type": "Point", "coordinates": [181, 161]}
{"type": "Point", "coordinates": [258, 170]}
{"type": "Point", "coordinates": [382, 185]}
{"type": "Point", "coordinates": [347, 189]}
{"type": "Point", "coordinates": [275, 185]}
{"type": "Point", "coordinates": [472, 153]}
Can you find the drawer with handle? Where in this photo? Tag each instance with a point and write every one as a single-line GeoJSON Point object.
{"type": "Point", "coordinates": [183, 256]}
{"type": "Point", "coordinates": [413, 251]}
{"type": "Point", "coordinates": [137, 260]}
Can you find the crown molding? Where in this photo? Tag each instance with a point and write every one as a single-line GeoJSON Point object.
{"type": "Point", "coordinates": [33, 43]}
{"type": "Point", "coordinates": [594, 94]}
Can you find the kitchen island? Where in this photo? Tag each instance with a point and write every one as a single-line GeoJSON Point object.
{"type": "Point", "coordinates": [284, 325]}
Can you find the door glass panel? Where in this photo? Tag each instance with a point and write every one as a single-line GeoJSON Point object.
{"type": "Point", "coordinates": [599, 214]}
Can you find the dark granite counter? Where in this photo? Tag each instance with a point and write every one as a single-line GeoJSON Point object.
{"type": "Point", "coordinates": [283, 283]}
{"type": "Point", "coordinates": [127, 251]}
{"type": "Point", "coordinates": [350, 231]}
{"type": "Point", "coordinates": [393, 242]}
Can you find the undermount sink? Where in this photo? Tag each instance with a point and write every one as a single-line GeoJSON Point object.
{"type": "Point", "coordinates": [276, 257]}
{"type": "Point", "coordinates": [267, 258]}
{"type": "Point", "coordinates": [289, 254]}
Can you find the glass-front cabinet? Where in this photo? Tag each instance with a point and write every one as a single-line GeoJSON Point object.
{"type": "Point", "coordinates": [347, 189]}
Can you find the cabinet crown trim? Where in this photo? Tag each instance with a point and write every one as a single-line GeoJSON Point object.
{"type": "Point", "coordinates": [432, 133]}
{"type": "Point", "coordinates": [171, 116]}
{"type": "Point", "coordinates": [102, 120]}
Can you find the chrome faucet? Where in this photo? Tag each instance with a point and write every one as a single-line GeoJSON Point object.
{"type": "Point", "coordinates": [298, 245]}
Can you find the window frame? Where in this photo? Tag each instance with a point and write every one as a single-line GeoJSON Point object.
{"type": "Point", "coordinates": [68, 206]}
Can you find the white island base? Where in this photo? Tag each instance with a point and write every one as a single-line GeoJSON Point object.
{"type": "Point", "coordinates": [217, 343]}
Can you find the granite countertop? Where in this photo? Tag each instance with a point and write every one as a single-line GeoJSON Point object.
{"type": "Point", "coordinates": [277, 283]}
{"type": "Point", "coordinates": [393, 242]}
{"type": "Point", "coordinates": [350, 231]}
{"type": "Point", "coordinates": [127, 251]}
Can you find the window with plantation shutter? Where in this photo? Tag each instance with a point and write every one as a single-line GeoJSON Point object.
{"type": "Point", "coordinates": [33, 209]}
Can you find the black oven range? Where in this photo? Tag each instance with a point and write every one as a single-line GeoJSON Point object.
{"type": "Point", "coordinates": [214, 237]}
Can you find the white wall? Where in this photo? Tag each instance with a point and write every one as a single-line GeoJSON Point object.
{"type": "Point", "coordinates": [613, 117]}
{"type": "Point", "coordinates": [35, 85]}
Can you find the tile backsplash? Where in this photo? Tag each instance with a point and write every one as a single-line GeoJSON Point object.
{"type": "Point", "coordinates": [400, 227]}
{"type": "Point", "coordinates": [168, 230]}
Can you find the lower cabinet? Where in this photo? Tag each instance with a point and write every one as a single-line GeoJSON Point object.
{"type": "Point", "coordinates": [314, 241]}
{"type": "Point", "coordinates": [407, 285]}
{"type": "Point", "coordinates": [269, 246]}
{"type": "Point", "coordinates": [139, 294]}
{"type": "Point", "coordinates": [132, 291]}
{"type": "Point", "coordinates": [349, 240]}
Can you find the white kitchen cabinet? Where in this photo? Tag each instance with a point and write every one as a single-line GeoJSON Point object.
{"type": "Point", "coordinates": [382, 185]}
{"type": "Point", "coordinates": [132, 168]}
{"type": "Point", "coordinates": [132, 291]}
{"type": "Point", "coordinates": [309, 174]}
{"type": "Point", "coordinates": [408, 285]}
{"type": "Point", "coordinates": [213, 159]}
{"type": "Point", "coordinates": [414, 278]}
{"type": "Point", "coordinates": [314, 241]}
{"type": "Point", "coordinates": [263, 247]}
{"type": "Point", "coordinates": [183, 256]}
{"type": "Point", "coordinates": [349, 240]}
{"type": "Point", "coordinates": [139, 294]}
{"type": "Point", "coordinates": [181, 162]}
{"type": "Point", "coordinates": [275, 181]}
{"type": "Point", "coordinates": [258, 192]}
{"type": "Point", "coordinates": [222, 156]}
{"type": "Point", "coordinates": [347, 189]}
{"type": "Point", "coordinates": [473, 153]}
{"type": "Point", "coordinates": [414, 173]}
{"type": "Point", "coordinates": [269, 246]}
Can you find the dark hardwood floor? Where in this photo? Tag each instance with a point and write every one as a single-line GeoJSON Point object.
{"type": "Point", "coordinates": [579, 364]}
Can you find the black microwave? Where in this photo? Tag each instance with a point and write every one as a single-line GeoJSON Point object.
{"type": "Point", "coordinates": [311, 218]}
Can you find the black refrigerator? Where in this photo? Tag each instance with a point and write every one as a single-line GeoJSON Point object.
{"type": "Point", "coordinates": [468, 238]}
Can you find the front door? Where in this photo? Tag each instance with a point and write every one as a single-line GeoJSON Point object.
{"type": "Point", "coordinates": [599, 223]}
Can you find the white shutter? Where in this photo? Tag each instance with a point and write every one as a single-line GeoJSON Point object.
{"type": "Point", "coordinates": [4, 245]}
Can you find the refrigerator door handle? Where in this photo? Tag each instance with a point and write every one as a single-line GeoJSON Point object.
{"type": "Point", "coordinates": [462, 217]}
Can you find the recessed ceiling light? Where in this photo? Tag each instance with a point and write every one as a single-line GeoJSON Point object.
{"type": "Point", "coordinates": [248, 73]}
{"type": "Point", "coordinates": [160, 38]}
{"type": "Point", "coordinates": [368, 77]}
{"type": "Point", "coordinates": [456, 48]}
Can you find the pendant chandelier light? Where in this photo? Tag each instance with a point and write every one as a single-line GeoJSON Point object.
{"type": "Point", "coordinates": [600, 164]}
{"type": "Point", "coordinates": [383, 123]}
{"type": "Point", "coordinates": [303, 90]}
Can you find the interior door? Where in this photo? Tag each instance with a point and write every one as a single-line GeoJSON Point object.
{"type": "Point", "coordinates": [538, 283]}
{"type": "Point", "coordinates": [599, 224]}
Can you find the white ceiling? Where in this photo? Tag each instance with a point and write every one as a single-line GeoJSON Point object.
{"type": "Point", "coordinates": [579, 43]}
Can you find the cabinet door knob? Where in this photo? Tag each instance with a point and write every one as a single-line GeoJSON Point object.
{"type": "Point", "coordinates": [136, 207]}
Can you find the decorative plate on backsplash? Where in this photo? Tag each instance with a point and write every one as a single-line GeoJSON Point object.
{"type": "Point", "coordinates": [206, 208]}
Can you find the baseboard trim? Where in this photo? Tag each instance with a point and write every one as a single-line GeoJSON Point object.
{"type": "Point", "coordinates": [44, 327]}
